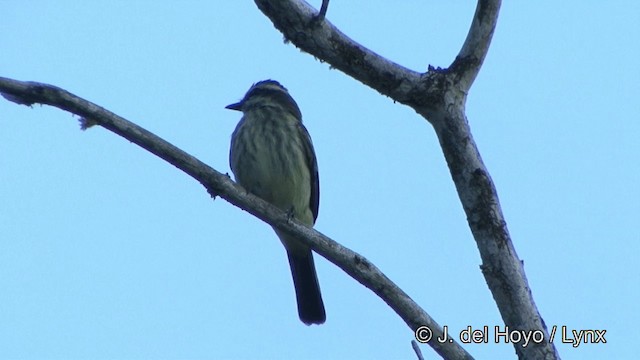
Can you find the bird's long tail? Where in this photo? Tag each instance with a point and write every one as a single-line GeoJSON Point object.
{"type": "Point", "coordinates": [305, 281]}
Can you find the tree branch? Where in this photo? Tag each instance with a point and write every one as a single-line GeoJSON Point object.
{"type": "Point", "coordinates": [295, 19]}
{"type": "Point", "coordinates": [439, 95]}
{"type": "Point", "coordinates": [323, 11]}
{"type": "Point", "coordinates": [467, 64]}
{"type": "Point", "coordinates": [218, 184]}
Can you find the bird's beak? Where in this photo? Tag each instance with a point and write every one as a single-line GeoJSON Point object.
{"type": "Point", "coordinates": [237, 106]}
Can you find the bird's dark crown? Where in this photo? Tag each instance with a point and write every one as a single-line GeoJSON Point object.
{"type": "Point", "coordinates": [265, 88]}
{"type": "Point", "coordinates": [266, 91]}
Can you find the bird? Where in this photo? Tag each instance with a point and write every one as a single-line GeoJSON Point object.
{"type": "Point", "coordinates": [272, 156]}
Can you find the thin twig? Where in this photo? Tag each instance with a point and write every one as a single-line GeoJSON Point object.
{"type": "Point", "coordinates": [323, 11]}
{"type": "Point", "coordinates": [416, 348]}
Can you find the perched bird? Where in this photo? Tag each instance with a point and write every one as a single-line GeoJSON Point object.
{"type": "Point", "coordinates": [272, 157]}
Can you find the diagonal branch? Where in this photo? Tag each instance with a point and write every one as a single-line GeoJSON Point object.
{"type": "Point", "coordinates": [439, 95]}
{"type": "Point", "coordinates": [296, 20]}
{"type": "Point", "coordinates": [218, 184]}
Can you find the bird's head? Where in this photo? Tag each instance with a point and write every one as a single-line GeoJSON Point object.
{"type": "Point", "coordinates": [267, 93]}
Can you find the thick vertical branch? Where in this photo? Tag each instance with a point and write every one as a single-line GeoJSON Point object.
{"type": "Point", "coordinates": [501, 266]}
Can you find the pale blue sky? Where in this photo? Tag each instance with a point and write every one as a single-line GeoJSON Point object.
{"type": "Point", "coordinates": [107, 252]}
